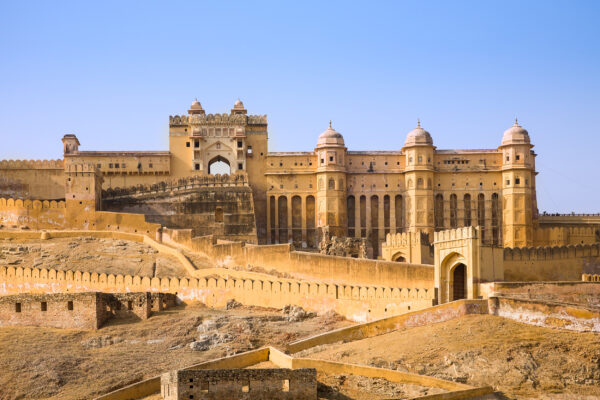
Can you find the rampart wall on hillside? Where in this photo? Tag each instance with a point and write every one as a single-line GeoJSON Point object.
{"type": "Point", "coordinates": [303, 265]}
{"type": "Point", "coordinates": [359, 303]}
{"type": "Point", "coordinates": [44, 214]}
{"type": "Point", "coordinates": [586, 294]}
{"type": "Point", "coordinates": [34, 214]}
{"type": "Point", "coordinates": [32, 179]}
{"type": "Point", "coordinates": [559, 263]}
{"type": "Point", "coordinates": [584, 231]}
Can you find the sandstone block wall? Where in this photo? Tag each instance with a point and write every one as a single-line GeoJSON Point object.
{"type": "Point", "coordinates": [243, 384]}
{"type": "Point", "coordinates": [84, 310]}
{"type": "Point", "coordinates": [560, 263]}
{"type": "Point", "coordinates": [586, 294]}
{"type": "Point", "coordinates": [61, 310]}
{"type": "Point", "coordinates": [221, 205]}
{"type": "Point", "coordinates": [546, 314]}
{"type": "Point", "coordinates": [127, 305]}
{"type": "Point", "coordinates": [32, 179]}
{"type": "Point", "coordinates": [358, 303]}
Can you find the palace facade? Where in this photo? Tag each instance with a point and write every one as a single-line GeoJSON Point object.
{"type": "Point", "coordinates": [301, 197]}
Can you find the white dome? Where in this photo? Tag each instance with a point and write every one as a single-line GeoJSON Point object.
{"type": "Point", "coordinates": [418, 137]}
{"type": "Point", "coordinates": [516, 134]}
{"type": "Point", "coordinates": [238, 105]}
{"type": "Point", "coordinates": [330, 137]}
{"type": "Point", "coordinates": [196, 105]}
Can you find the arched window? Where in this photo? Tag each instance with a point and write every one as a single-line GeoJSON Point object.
{"type": "Point", "coordinates": [453, 212]}
{"type": "Point", "coordinates": [439, 212]}
{"type": "Point", "coordinates": [331, 184]}
{"type": "Point", "coordinates": [481, 214]}
{"type": "Point", "coordinates": [420, 183]}
{"type": "Point", "coordinates": [399, 213]}
{"type": "Point", "coordinates": [495, 219]}
{"type": "Point", "coordinates": [467, 207]}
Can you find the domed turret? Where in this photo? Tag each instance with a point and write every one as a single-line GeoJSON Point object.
{"type": "Point", "coordinates": [196, 108]}
{"type": "Point", "coordinates": [516, 134]}
{"type": "Point", "coordinates": [238, 108]}
{"type": "Point", "coordinates": [418, 137]}
{"type": "Point", "coordinates": [330, 137]}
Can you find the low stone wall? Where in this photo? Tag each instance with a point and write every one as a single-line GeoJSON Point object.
{"type": "Point", "coordinates": [61, 310]}
{"type": "Point", "coordinates": [547, 314]}
{"type": "Point", "coordinates": [242, 384]}
{"type": "Point", "coordinates": [88, 310]}
{"type": "Point", "coordinates": [440, 313]}
{"type": "Point", "coordinates": [586, 294]}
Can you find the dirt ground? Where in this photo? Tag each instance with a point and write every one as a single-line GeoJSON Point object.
{"type": "Point", "coordinates": [44, 363]}
{"type": "Point", "coordinates": [520, 361]}
{"type": "Point", "coordinates": [93, 255]}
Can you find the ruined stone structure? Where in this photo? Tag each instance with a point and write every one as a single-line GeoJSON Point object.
{"type": "Point", "coordinates": [243, 384]}
{"type": "Point", "coordinates": [87, 310]}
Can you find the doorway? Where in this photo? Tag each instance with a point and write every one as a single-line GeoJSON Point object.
{"type": "Point", "coordinates": [459, 286]}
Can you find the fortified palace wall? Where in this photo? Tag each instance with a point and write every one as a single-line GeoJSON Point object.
{"type": "Point", "coordinates": [32, 179]}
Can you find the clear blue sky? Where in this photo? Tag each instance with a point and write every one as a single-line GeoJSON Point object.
{"type": "Point", "coordinates": [112, 73]}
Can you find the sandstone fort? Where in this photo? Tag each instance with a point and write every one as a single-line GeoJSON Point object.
{"type": "Point", "coordinates": [379, 241]}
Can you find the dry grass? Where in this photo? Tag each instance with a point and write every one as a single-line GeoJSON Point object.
{"type": "Point", "coordinates": [43, 363]}
{"type": "Point", "coordinates": [519, 360]}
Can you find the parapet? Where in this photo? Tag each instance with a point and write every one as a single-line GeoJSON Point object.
{"type": "Point", "coordinates": [78, 168]}
{"type": "Point", "coordinates": [31, 164]}
{"type": "Point", "coordinates": [256, 384]}
{"type": "Point", "coordinates": [467, 232]}
{"type": "Point", "coordinates": [30, 204]}
{"type": "Point", "coordinates": [217, 119]}
{"type": "Point", "coordinates": [407, 238]}
{"type": "Point", "coordinates": [199, 181]}
{"type": "Point", "coordinates": [551, 253]}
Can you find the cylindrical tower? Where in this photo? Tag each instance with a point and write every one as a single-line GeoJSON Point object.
{"type": "Point", "coordinates": [331, 184]}
{"type": "Point", "coordinates": [418, 151]}
{"type": "Point", "coordinates": [518, 187]}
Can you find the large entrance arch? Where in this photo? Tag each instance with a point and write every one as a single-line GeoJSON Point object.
{"type": "Point", "coordinates": [459, 282]}
{"type": "Point", "coordinates": [219, 165]}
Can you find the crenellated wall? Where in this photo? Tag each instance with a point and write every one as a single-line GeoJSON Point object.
{"type": "Point", "coordinates": [412, 247]}
{"type": "Point", "coordinates": [358, 303]}
{"type": "Point", "coordinates": [35, 214]}
{"type": "Point", "coordinates": [559, 263]}
{"type": "Point", "coordinates": [38, 215]}
{"type": "Point", "coordinates": [557, 235]}
{"type": "Point", "coordinates": [32, 179]}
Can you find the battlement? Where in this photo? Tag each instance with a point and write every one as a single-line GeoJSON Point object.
{"type": "Point", "coordinates": [357, 302]}
{"type": "Point", "coordinates": [590, 277]}
{"type": "Point", "coordinates": [191, 182]}
{"type": "Point", "coordinates": [467, 232]}
{"type": "Point", "coordinates": [78, 168]}
{"type": "Point", "coordinates": [217, 119]}
{"type": "Point", "coordinates": [32, 164]}
{"type": "Point", "coordinates": [11, 203]}
{"type": "Point", "coordinates": [407, 238]}
{"type": "Point", "coordinates": [551, 253]}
